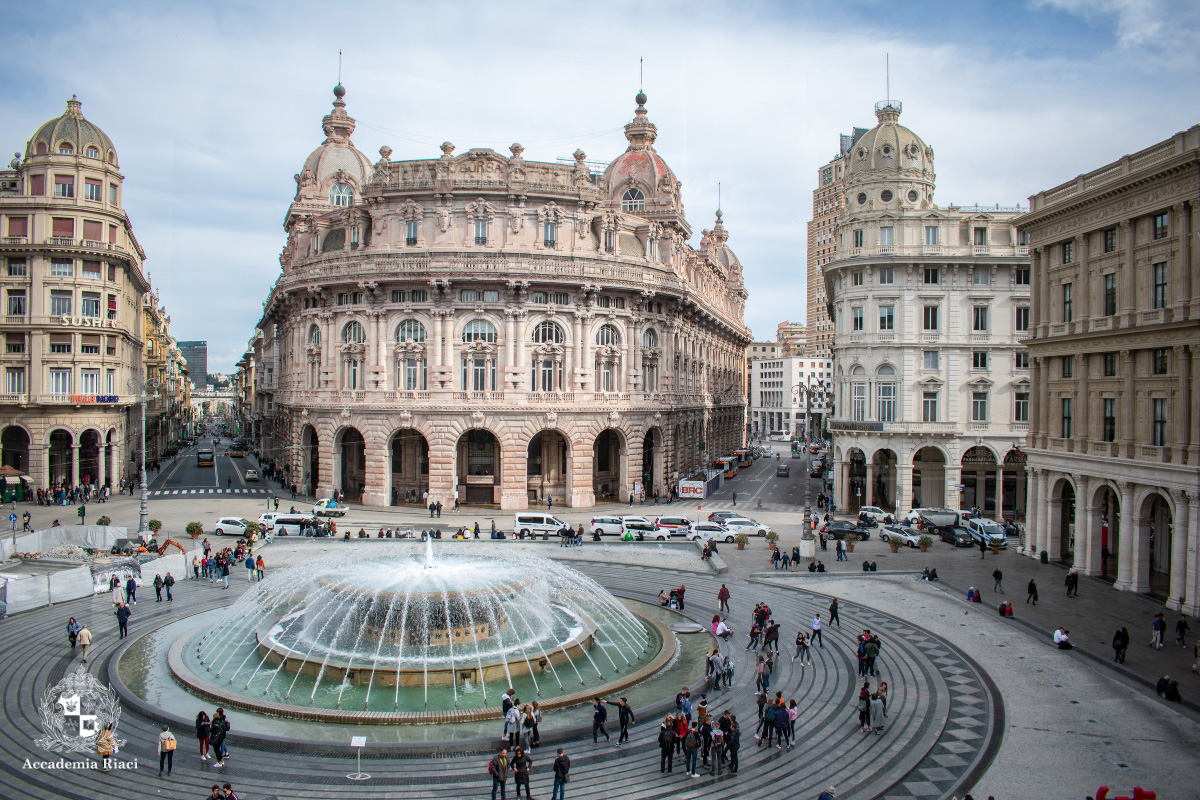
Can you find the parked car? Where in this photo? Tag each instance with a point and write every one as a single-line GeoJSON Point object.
{"type": "Point", "coordinates": [637, 528]}
{"type": "Point", "coordinates": [230, 526]}
{"type": "Point", "coordinates": [267, 520]}
{"type": "Point", "coordinates": [329, 508]}
{"type": "Point", "coordinates": [959, 537]}
{"type": "Point", "coordinates": [721, 516]}
{"type": "Point", "coordinates": [679, 526]}
{"type": "Point", "coordinates": [783, 471]}
{"type": "Point", "coordinates": [290, 524]}
{"type": "Point", "coordinates": [900, 534]}
{"type": "Point", "coordinates": [532, 523]}
{"type": "Point", "coordinates": [711, 530]}
{"type": "Point", "coordinates": [251, 474]}
{"type": "Point", "coordinates": [987, 531]}
{"type": "Point", "coordinates": [609, 525]}
{"type": "Point", "coordinates": [736, 525]}
{"type": "Point", "coordinates": [838, 530]}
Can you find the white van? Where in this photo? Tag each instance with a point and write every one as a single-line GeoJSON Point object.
{"type": "Point", "coordinates": [289, 524]}
{"type": "Point", "coordinates": [533, 523]}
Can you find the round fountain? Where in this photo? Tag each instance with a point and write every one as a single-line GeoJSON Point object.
{"type": "Point", "coordinates": [399, 637]}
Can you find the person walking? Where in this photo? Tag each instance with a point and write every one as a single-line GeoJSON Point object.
{"type": "Point", "coordinates": [521, 764]}
{"type": "Point", "coordinates": [218, 728]}
{"type": "Point", "coordinates": [1072, 583]}
{"type": "Point", "coordinates": [158, 587]}
{"type": "Point", "coordinates": [723, 598]}
{"type": "Point", "coordinates": [562, 774]}
{"type": "Point", "coordinates": [168, 582]}
{"type": "Point", "coordinates": [105, 747]}
{"type": "Point", "coordinates": [599, 717]}
{"type": "Point", "coordinates": [1181, 629]}
{"type": "Point", "coordinates": [260, 566]}
{"type": "Point", "coordinates": [735, 499]}
{"type": "Point", "coordinates": [196, 567]}
{"type": "Point", "coordinates": [733, 743]}
{"type": "Point", "coordinates": [498, 769]}
{"type": "Point", "coordinates": [203, 730]}
{"type": "Point", "coordinates": [84, 637]}
{"type": "Point", "coordinates": [1157, 629]}
{"type": "Point", "coordinates": [833, 613]}
{"type": "Point", "coordinates": [131, 590]}
{"type": "Point", "coordinates": [801, 650]}
{"type": "Point", "coordinates": [166, 749]}
{"type": "Point", "coordinates": [624, 717]}
{"type": "Point", "coordinates": [249, 564]}
{"type": "Point", "coordinates": [1120, 644]}
{"type": "Point", "coordinates": [816, 634]}
{"type": "Point", "coordinates": [223, 566]}
{"type": "Point", "coordinates": [1032, 592]}
{"type": "Point", "coordinates": [73, 629]}
{"type": "Point", "coordinates": [998, 581]}
{"type": "Point", "coordinates": [122, 614]}
{"type": "Point", "coordinates": [666, 744]}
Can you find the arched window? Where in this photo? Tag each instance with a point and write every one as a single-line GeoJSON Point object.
{"type": "Point", "coordinates": [633, 200]}
{"type": "Point", "coordinates": [608, 335]}
{"type": "Point", "coordinates": [92, 151]}
{"type": "Point", "coordinates": [885, 394]}
{"type": "Point", "coordinates": [410, 331]}
{"type": "Point", "coordinates": [41, 148]}
{"type": "Point", "coordinates": [354, 333]}
{"type": "Point", "coordinates": [340, 194]}
{"type": "Point", "coordinates": [649, 338]}
{"type": "Point", "coordinates": [65, 148]}
{"type": "Point", "coordinates": [479, 330]}
{"type": "Point", "coordinates": [548, 333]}
{"type": "Point", "coordinates": [314, 336]}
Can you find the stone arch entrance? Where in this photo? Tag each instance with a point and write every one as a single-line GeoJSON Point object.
{"type": "Point", "coordinates": [352, 472]}
{"type": "Point", "coordinates": [1013, 486]}
{"type": "Point", "coordinates": [855, 474]}
{"type": "Point", "coordinates": [652, 462]}
{"type": "Point", "coordinates": [1156, 523]}
{"type": "Point", "coordinates": [548, 467]}
{"type": "Point", "coordinates": [110, 457]}
{"type": "Point", "coordinates": [477, 467]}
{"type": "Point", "coordinates": [14, 443]}
{"type": "Point", "coordinates": [884, 474]}
{"type": "Point", "coordinates": [929, 478]}
{"type": "Point", "coordinates": [408, 466]}
{"type": "Point", "coordinates": [1062, 520]}
{"type": "Point", "coordinates": [311, 459]}
{"type": "Point", "coordinates": [89, 457]}
{"type": "Point", "coordinates": [1106, 515]}
{"type": "Point", "coordinates": [58, 457]}
{"type": "Point", "coordinates": [608, 465]}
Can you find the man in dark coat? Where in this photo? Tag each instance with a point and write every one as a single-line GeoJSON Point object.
{"type": "Point", "coordinates": [123, 614]}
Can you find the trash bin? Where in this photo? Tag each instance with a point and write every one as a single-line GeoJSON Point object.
{"type": "Point", "coordinates": [1045, 557]}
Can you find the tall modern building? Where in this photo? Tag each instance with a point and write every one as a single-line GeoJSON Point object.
{"type": "Point", "coordinates": [1115, 435]}
{"type": "Point", "coordinates": [196, 355]}
{"type": "Point", "coordinates": [930, 307]}
{"type": "Point", "coordinates": [73, 290]}
{"type": "Point", "coordinates": [497, 329]}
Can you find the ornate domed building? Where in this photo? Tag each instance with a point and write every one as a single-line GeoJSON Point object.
{"type": "Point", "coordinates": [498, 330]}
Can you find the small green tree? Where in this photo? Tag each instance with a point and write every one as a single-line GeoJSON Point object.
{"type": "Point", "coordinates": [103, 521]}
{"type": "Point", "coordinates": [155, 525]}
{"type": "Point", "coordinates": [195, 530]}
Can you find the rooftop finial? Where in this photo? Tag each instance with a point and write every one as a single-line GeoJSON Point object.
{"type": "Point", "coordinates": [339, 91]}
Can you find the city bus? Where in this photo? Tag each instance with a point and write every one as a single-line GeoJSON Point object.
{"type": "Point", "coordinates": [204, 457]}
{"type": "Point", "coordinates": [745, 457]}
{"type": "Point", "coordinates": [728, 465]}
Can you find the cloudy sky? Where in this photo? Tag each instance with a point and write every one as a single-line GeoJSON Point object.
{"type": "Point", "coordinates": [214, 106]}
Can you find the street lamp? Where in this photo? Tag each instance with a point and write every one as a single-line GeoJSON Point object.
{"type": "Point", "coordinates": [808, 391]}
{"type": "Point", "coordinates": [139, 387]}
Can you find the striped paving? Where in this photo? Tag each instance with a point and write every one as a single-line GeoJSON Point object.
{"type": "Point", "coordinates": [179, 494]}
{"type": "Point", "coordinates": [944, 719]}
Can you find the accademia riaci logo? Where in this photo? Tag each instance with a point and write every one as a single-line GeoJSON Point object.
{"type": "Point", "coordinates": [74, 712]}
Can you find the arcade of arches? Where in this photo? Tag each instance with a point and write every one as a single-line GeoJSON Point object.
{"type": "Point", "coordinates": [1129, 532]}
{"type": "Point", "coordinates": [64, 457]}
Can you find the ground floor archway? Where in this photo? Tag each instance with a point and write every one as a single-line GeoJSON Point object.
{"type": "Point", "coordinates": [1156, 523]}
{"type": "Point", "coordinates": [883, 474]}
{"type": "Point", "coordinates": [608, 465]}
{"type": "Point", "coordinates": [929, 478]}
{"type": "Point", "coordinates": [14, 443]}
{"type": "Point", "coordinates": [979, 480]}
{"type": "Point", "coordinates": [548, 468]}
{"type": "Point", "coordinates": [89, 457]}
{"type": "Point", "coordinates": [311, 452]}
{"type": "Point", "coordinates": [477, 465]}
{"type": "Point", "coordinates": [408, 466]}
{"type": "Point", "coordinates": [59, 456]}
{"type": "Point", "coordinates": [652, 462]}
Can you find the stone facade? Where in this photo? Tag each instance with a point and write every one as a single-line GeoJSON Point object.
{"type": "Point", "coordinates": [509, 331]}
{"type": "Point", "coordinates": [1115, 445]}
{"type": "Point", "coordinates": [929, 306]}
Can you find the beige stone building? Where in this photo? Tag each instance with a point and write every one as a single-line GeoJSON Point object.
{"type": "Point", "coordinates": [501, 329]}
{"type": "Point", "coordinates": [1115, 444]}
{"type": "Point", "coordinates": [72, 286]}
{"type": "Point", "coordinates": [793, 336]}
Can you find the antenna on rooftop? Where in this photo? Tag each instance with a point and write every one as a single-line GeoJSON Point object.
{"type": "Point", "coordinates": [339, 65]}
{"type": "Point", "coordinates": [887, 71]}
{"type": "Point", "coordinates": [641, 72]}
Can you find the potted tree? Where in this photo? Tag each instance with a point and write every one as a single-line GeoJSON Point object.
{"type": "Point", "coordinates": [105, 520]}
{"type": "Point", "coordinates": [925, 542]}
{"type": "Point", "coordinates": [851, 538]}
{"type": "Point", "coordinates": [895, 545]}
{"type": "Point", "coordinates": [194, 530]}
{"type": "Point", "coordinates": [772, 538]}
{"type": "Point", "coordinates": [741, 540]}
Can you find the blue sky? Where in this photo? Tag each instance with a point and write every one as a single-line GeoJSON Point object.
{"type": "Point", "coordinates": [214, 106]}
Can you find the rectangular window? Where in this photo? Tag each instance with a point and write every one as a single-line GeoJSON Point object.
{"type": "Point", "coordinates": [931, 235]}
{"type": "Point", "coordinates": [89, 305]}
{"type": "Point", "coordinates": [481, 231]}
{"type": "Point", "coordinates": [112, 273]}
{"type": "Point", "coordinates": [982, 276]}
{"type": "Point", "coordinates": [14, 380]}
{"type": "Point", "coordinates": [929, 406]}
{"type": "Point", "coordinates": [16, 302]}
{"type": "Point", "coordinates": [551, 234]}
{"type": "Point", "coordinates": [1162, 225]}
{"type": "Point", "coordinates": [886, 394]}
{"type": "Point", "coordinates": [560, 299]}
{"type": "Point", "coordinates": [930, 360]}
{"type": "Point", "coordinates": [1021, 276]}
{"type": "Point", "coordinates": [1110, 294]}
{"type": "Point", "coordinates": [858, 238]}
{"type": "Point", "coordinates": [1158, 430]}
{"type": "Point", "coordinates": [60, 343]}
{"type": "Point", "coordinates": [858, 401]}
{"type": "Point", "coordinates": [343, 298]}
{"type": "Point", "coordinates": [981, 238]}
{"type": "Point", "coordinates": [887, 318]}
{"type": "Point", "coordinates": [856, 277]}
{"type": "Point", "coordinates": [1161, 362]}
{"type": "Point", "coordinates": [112, 194]}
{"type": "Point", "coordinates": [1021, 360]}
{"type": "Point", "coordinates": [60, 303]}
{"type": "Point", "coordinates": [1110, 419]}
{"type": "Point", "coordinates": [89, 381]}
{"type": "Point", "coordinates": [885, 237]}
{"type": "Point", "coordinates": [856, 315]}
{"type": "Point", "coordinates": [1023, 238]}
{"type": "Point", "coordinates": [979, 319]}
{"type": "Point", "coordinates": [90, 345]}
{"type": "Point", "coordinates": [979, 406]}
{"type": "Point", "coordinates": [491, 296]}
{"type": "Point", "coordinates": [1067, 410]}
{"type": "Point", "coordinates": [1068, 302]}
{"type": "Point", "coordinates": [110, 382]}
{"type": "Point", "coordinates": [399, 296]}
{"type": "Point", "coordinates": [1067, 367]}
{"type": "Point", "coordinates": [112, 306]}
{"type": "Point", "coordinates": [110, 347]}
{"type": "Point", "coordinates": [93, 190]}
{"type": "Point", "coordinates": [1110, 365]}
{"type": "Point", "coordinates": [410, 232]}
{"type": "Point", "coordinates": [1021, 407]}
{"type": "Point", "coordinates": [91, 269]}
{"type": "Point", "coordinates": [62, 267]}
{"type": "Point", "coordinates": [14, 343]}
{"type": "Point", "coordinates": [60, 381]}
{"type": "Point", "coordinates": [979, 359]}
{"type": "Point", "coordinates": [37, 185]}
{"type": "Point", "coordinates": [606, 375]}
{"type": "Point", "coordinates": [1110, 240]}
{"type": "Point", "coordinates": [537, 297]}
{"type": "Point", "coordinates": [64, 185]}
{"type": "Point", "coordinates": [931, 275]}
{"type": "Point", "coordinates": [1160, 284]}
{"type": "Point", "coordinates": [930, 318]}
{"type": "Point", "coordinates": [608, 241]}
{"type": "Point", "coordinates": [1068, 252]}
{"type": "Point", "coordinates": [1022, 323]}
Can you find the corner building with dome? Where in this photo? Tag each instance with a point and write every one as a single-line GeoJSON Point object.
{"type": "Point", "coordinates": [500, 330]}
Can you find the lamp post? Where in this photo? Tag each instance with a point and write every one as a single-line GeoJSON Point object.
{"type": "Point", "coordinates": [139, 387]}
{"type": "Point", "coordinates": [807, 391]}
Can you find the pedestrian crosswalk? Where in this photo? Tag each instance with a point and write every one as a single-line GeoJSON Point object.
{"type": "Point", "coordinates": [195, 492]}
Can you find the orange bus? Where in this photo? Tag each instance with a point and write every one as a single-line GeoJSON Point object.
{"type": "Point", "coordinates": [728, 465]}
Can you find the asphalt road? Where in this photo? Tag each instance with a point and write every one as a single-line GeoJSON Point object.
{"type": "Point", "coordinates": [758, 482]}
{"type": "Point", "coordinates": [182, 474]}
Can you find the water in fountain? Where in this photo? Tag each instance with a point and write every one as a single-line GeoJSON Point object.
{"type": "Point", "coordinates": [437, 633]}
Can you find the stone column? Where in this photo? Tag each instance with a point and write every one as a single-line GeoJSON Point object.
{"type": "Point", "coordinates": [443, 452]}
{"type": "Point", "coordinates": [580, 487]}
{"type": "Point", "coordinates": [1180, 408]}
{"type": "Point", "coordinates": [1128, 405]}
{"type": "Point", "coordinates": [437, 339]}
{"type": "Point", "coordinates": [514, 492]}
{"type": "Point", "coordinates": [1179, 275]}
{"type": "Point", "coordinates": [1054, 522]}
{"type": "Point", "coordinates": [1194, 421]}
{"type": "Point", "coordinates": [903, 485]}
{"type": "Point", "coordinates": [377, 477]}
{"type": "Point", "coordinates": [1038, 301]}
{"type": "Point", "coordinates": [1034, 502]}
{"type": "Point", "coordinates": [1189, 261]}
{"type": "Point", "coordinates": [587, 367]}
{"type": "Point", "coordinates": [953, 477]}
{"type": "Point", "coordinates": [1178, 595]}
{"type": "Point", "coordinates": [576, 378]}
{"type": "Point", "coordinates": [1043, 528]}
{"type": "Point", "coordinates": [1128, 537]}
{"type": "Point", "coordinates": [843, 490]}
{"type": "Point", "coordinates": [1128, 292]}
{"type": "Point", "coordinates": [102, 474]}
{"type": "Point", "coordinates": [868, 498]}
{"type": "Point", "coordinates": [1191, 592]}
{"type": "Point", "coordinates": [74, 465]}
{"type": "Point", "coordinates": [1085, 283]}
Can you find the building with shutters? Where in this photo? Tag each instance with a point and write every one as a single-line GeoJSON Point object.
{"type": "Point", "coordinates": [501, 330]}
